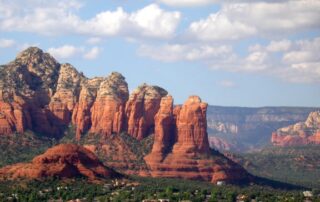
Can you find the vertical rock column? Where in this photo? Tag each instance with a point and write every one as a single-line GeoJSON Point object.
{"type": "Point", "coordinates": [141, 109]}
{"type": "Point", "coordinates": [191, 127]}
{"type": "Point", "coordinates": [66, 96]}
{"type": "Point", "coordinates": [107, 112]}
{"type": "Point", "coordinates": [81, 116]}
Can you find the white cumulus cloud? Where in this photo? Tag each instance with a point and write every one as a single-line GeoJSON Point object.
{"type": "Point", "coordinates": [237, 20]}
{"type": "Point", "coordinates": [187, 3]}
{"type": "Point", "coordinates": [219, 27]}
{"type": "Point", "coordinates": [62, 17]}
{"type": "Point", "coordinates": [181, 52]}
{"type": "Point", "coordinates": [92, 53]}
{"type": "Point", "coordinates": [7, 43]}
{"type": "Point", "coordinates": [276, 46]}
{"type": "Point", "coordinates": [294, 61]}
{"type": "Point", "coordinates": [65, 51]}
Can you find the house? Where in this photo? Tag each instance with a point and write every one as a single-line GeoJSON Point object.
{"type": "Point", "coordinates": [220, 183]}
{"type": "Point", "coordinates": [163, 200]}
{"type": "Point", "coordinates": [242, 198]}
{"type": "Point", "coordinates": [307, 194]}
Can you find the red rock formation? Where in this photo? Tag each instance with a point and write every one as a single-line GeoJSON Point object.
{"type": "Point", "coordinates": [191, 126]}
{"type": "Point", "coordinates": [12, 118]}
{"type": "Point", "coordinates": [107, 112]}
{"type": "Point", "coordinates": [66, 96]}
{"type": "Point", "coordinates": [65, 160]}
{"type": "Point", "coordinates": [81, 116]}
{"type": "Point", "coordinates": [185, 153]}
{"type": "Point", "coordinates": [197, 167]}
{"type": "Point", "coordinates": [163, 135]}
{"type": "Point", "coordinates": [27, 84]}
{"type": "Point", "coordinates": [141, 108]}
{"type": "Point", "coordinates": [51, 96]}
{"type": "Point", "coordinates": [7, 124]}
{"type": "Point", "coordinates": [301, 133]}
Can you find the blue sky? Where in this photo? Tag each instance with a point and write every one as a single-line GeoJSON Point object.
{"type": "Point", "coordinates": [230, 53]}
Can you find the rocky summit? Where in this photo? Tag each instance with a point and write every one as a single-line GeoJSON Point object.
{"type": "Point", "coordinates": [39, 94]}
{"type": "Point", "coordinates": [301, 133]}
{"type": "Point", "coordinates": [64, 161]}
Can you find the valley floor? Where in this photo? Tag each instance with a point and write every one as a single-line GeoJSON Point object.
{"type": "Point", "coordinates": [148, 189]}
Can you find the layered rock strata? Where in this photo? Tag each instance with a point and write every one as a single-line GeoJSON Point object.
{"type": "Point", "coordinates": [301, 133]}
{"type": "Point", "coordinates": [185, 153]}
{"type": "Point", "coordinates": [141, 108]}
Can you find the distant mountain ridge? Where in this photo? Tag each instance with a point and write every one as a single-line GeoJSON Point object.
{"type": "Point", "coordinates": [301, 133]}
{"type": "Point", "coordinates": [245, 128]}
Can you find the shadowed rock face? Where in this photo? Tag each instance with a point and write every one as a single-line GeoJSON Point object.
{"type": "Point", "coordinates": [27, 84]}
{"type": "Point", "coordinates": [39, 94]}
{"type": "Point", "coordinates": [65, 160]}
{"type": "Point", "coordinates": [66, 96]}
{"type": "Point", "coordinates": [164, 125]}
{"type": "Point", "coordinates": [301, 133]}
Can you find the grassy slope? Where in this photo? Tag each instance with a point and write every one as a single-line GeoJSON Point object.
{"type": "Point", "coordinates": [297, 165]}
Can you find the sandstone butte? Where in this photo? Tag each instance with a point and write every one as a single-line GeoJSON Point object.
{"type": "Point", "coordinates": [301, 133]}
{"type": "Point", "coordinates": [39, 94]}
{"type": "Point", "coordinates": [181, 147]}
{"type": "Point", "coordinates": [64, 161]}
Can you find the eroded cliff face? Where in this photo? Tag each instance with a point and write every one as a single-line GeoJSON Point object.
{"type": "Point", "coordinates": [66, 95]}
{"type": "Point", "coordinates": [107, 112]}
{"type": "Point", "coordinates": [27, 84]}
{"type": "Point", "coordinates": [141, 108]}
{"type": "Point", "coordinates": [12, 118]}
{"type": "Point", "coordinates": [301, 133]}
{"type": "Point", "coordinates": [164, 128]}
{"type": "Point", "coordinates": [191, 126]}
{"type": "Point", "coordinates": [81, 116]}
{"type": "Point", "coordinates": [185, 153]}
{"type": "Point", "coordinates": [39, 94]}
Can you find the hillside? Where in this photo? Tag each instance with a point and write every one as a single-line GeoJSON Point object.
{"type": "Point", "coordinates": [293, 164]}
{"type": "Point", "coordinates": [61, 161]}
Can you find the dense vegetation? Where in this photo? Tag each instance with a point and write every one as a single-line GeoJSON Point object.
{"type": "Point", "coordinates": [137, 189]}
{"type": "Point", "coordinates": [22, 147]}
{"type": "Point", "coordinates": [296, 165]}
